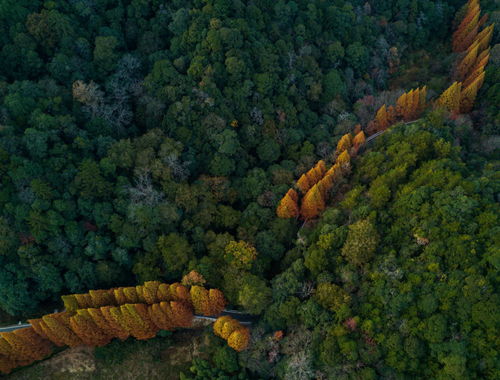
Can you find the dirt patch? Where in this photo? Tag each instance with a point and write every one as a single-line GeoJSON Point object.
{"type": "Point", "coordinates": [72, 360]}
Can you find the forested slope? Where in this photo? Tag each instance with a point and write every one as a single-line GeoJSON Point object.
{"type": "Point", "coordinates": [401, 274]}
{"type": "Point", "coordinates": [139, 136]}
{"type": "Point", "coordinates": [143, 139]}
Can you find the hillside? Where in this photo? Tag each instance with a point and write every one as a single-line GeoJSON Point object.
{"type": "Point", "coordinates": [324, 172]}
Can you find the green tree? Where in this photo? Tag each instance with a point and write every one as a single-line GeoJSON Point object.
{"type": "Point", "coordinates": [361, 243]}
{"type": "Point", "coordinates": [254, 295]}
{"type": "Point", "coordinates": [176, 253]}
{"type": "Point", "coordinates": [105, 56]}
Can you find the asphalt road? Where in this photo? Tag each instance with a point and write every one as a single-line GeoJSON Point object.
{"type": "Point", "coordinates": [243, 318]}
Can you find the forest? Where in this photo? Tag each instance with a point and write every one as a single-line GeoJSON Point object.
{"type": "Point", "coordinates": [328, 169]}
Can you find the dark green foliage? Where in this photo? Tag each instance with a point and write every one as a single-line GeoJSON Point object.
{"type": "Point", "coordinates": [404, 287]}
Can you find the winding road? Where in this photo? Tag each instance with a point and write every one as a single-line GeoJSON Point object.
{"type": "Point", "coordinates": [244, 319]}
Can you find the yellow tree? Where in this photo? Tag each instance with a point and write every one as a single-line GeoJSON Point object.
{"type": "Point", "coordinates": [159, 317]}
{"type": "Point", "coordinates": [58, 325]}
{"type": "Point", "coordinates": [228, 327]}
{"type": "Point", "coordinates": [235, 333]}
{"type": "Point", "coordinates": [135, 319]}
{"type": "Point", "coordinates": [408, 111]}
{"type": "Point", "coordinates": [316, 173]}
{"type": "Point", "coordinates": [149, 291]}
{"type": "Point", "coordinates": [219, 324]}
{"type": "Point", "coordinates": [303, 183]}
{"type": "Point", "coordinates": [473, 76]}
{"type": "Point", "coordinates": [468, 24]}
{"type": "Point", "coordinates": [239, 339]}
{"type": "Point", "coordinates": [109, 313]}
{"type": "Point", "coordinates": [401, 104]}
{"type": "Point", "coordinates": [325, 185]}
{"type": "Point", "coordinates": [23, 345]}
{"type": "Point", "coordinates": [88, 331]}
{"type": "Point", "coordinates": [84, 300]}
{"type": "Point", "coordinates": [130, 293]}
{"type": "Point", "coordinates": [482, 59]}
{"type": "Point", "coordinates": [422, 101]}
{"type": "Point", "coordinates": [381, 118]}
{"type": "Point", "coordinates": [37, 326]}
{"type": "Point", "coordinates": [35, 346]}
{"type": "Point", "coordinates": [240, 255]}
{"type": "Point", "coordinates": [335, 172]}
{"type": "Point", "coordinates": [179, 292]}
{"type": "Point", "coordinates": [200, 300]}
{"type": "Point", "coordinates": [101, 298]}
{"type": "Point", "coordinates": [288, 207]}
{"type": "Point", "coordinates": [344, 143]}
{"type": "Point", "coordinates": [344, 161]}
{"type": "Point", "coordinates": [450, 98]}
{"type": "Point", "coordinates": [120, 296]}
{"type": "Point", "coordinates": [467, 62]}
{"type": "Point", "coordinates": [312, 203]}
{"type": "Point", "coordinates": [70, 302]}
{"type": "Point", "coordinates": [359, 140]}
{"type": "Point", "coordinates": [468, 94]}
{"type": "Point", "coordinates": [484, 37]}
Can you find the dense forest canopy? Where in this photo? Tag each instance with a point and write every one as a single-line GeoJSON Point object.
{"type": "Point", "coordinates": [143, 139]}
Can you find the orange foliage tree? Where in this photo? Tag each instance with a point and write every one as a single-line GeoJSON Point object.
{"type": "Point", "coordinates": [468, 26]}
{"type": "Point", "coordinates": [150, 292]}
{"type": "Point", "coordinates": [22, 347]}
{"type": "Point", "coordinates": [88, 331]}
{"type": "Point", "coordinates": [345, 143]}
{"type": "Point", "coordinates": [382, 118]}
{"type": "Point", "coordinates": [450, 98]}
{"type": "Point", "coordinates": [97, 326]}
{"type": "Point", "coordinates": [312, 203]}
{"type": "Point", "coordinates": [288, 206]}
{"type": "Point", "coordinates": [358, 141]}
{"type": "Point", "coordinates": [193, 278]}
{"type": "Point", "coordinates": [467, 62]}
{"type": "Point", "coordinates": [469, 93]}
{"type": "Point", "coordinates": [235, 333]}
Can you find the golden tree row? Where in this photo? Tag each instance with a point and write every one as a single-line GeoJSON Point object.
{"type": "Point", "coordinates": [98, 326]}
{"type": "Point", "coordinates": [409, 106]}
{"type": "Point", "coordinates": [22, 347]}
{"type": "Point", "coordinates": [234, 332]}
{"type": "Point", "coordinates": [469, 71]}
{"type": "Point", "coordinates": [205, 302]}
{"type": "Point", "coordinates": [315, 184]}
{"type": "Point", "coordinates": [95, 318]}
{"type": "Point", "coordinates": [469, 27]}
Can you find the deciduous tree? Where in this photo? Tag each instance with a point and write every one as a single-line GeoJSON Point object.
{"type": "Point", "coordinates": [468, 94]}
{"type": "Point", "coordinates": [312, 203]}
{"type": "Point", "coordinates": [450, 98]}
{"type": "Point", "coordinates": [288, 207]}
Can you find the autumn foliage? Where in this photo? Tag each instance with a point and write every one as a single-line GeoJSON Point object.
{"type": "Point", "coordinates": [450, 98]}
{"type": "Point", "coordinates": [316, 184]}
{"type": "Point", "coordinates": [149, 293]}
{"type": "Point", "coordinates": [473, 43]}
{"type": "Point", "coordinates": [207, 302]}
{"type": "Point", "coordinates": [288, 206]}
{"type": "Point", "coordinates": [468, 28]}
{"type": "Point", "coordinates": [235, 333]}
{"type": "Point", "coordinates": [22, 347]}
{"type": "Point", "coordinates": [97, 317]}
